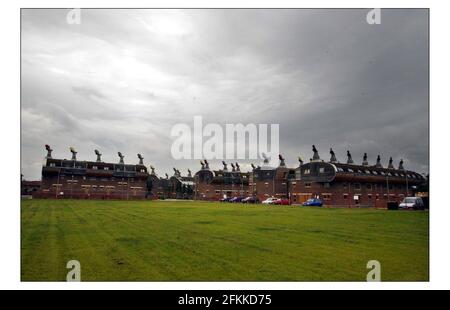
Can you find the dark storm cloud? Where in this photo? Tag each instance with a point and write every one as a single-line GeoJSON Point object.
{"type": "Point", "coordinates": [122, 78]}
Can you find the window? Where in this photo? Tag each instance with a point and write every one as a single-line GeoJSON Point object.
{"type": "Point", "coordinates": [306, 171]}
{"type": "Point", "coordinates": [307, 185]}
{"type": "Point", "coordinates": [106, 168]}
{"type": "Point", "coordinates": [326, 196]}
{"type": "Point", "coordinates": [369, 196]}
{"type": "Point", "coordinates": [321, 170]}
{"type": "Point", "coordinates": [369, 186]}
{"type": "Point", "coordinates": [52, 165]}
{"type": "Point", "coordinates": [344, 185]}
{"type": "Point", "coordinates": [345, 196]}
{"type": "Point", "coordinates": [326, 185]}
{"type": "Point", "coordinates": [357, 186]}
{"type": "Point", "coordinates": [94, 167]}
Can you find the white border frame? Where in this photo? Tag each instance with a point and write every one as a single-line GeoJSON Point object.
{"type": "Point", "coordinates": [10, 147]}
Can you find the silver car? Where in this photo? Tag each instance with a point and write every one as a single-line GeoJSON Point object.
{"type": "Point", "coordinates": [415, 203]}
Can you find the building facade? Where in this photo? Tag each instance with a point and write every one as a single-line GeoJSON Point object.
{"type": "Point", "coordinates": [350, 184]}
{"type": "Point", "coordinates": [267, 181]}
{"type": "Point", "coordinates": [75, 179]}
{"type": "Point", "coordinates": [218, 184]}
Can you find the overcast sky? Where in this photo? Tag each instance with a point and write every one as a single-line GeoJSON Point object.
{"type": "Point", "coordinates": [121, 79]}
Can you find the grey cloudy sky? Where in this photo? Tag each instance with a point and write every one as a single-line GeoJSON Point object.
{"type": "Point", "coordinates": [121, 79]}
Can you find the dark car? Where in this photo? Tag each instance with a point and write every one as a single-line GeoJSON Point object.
{"type": "Point", "coordinates": [236, 199]}
{"type": "Point", "coordinates": [249, 199]}
{"type": "Point", "coordinates": [226, 199]}
{"type": "Point", "coordinates": [313, 202]}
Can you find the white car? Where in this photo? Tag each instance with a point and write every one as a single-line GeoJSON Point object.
{"type": "Point", "coordinates": [411, 203]}
{"type": "Point", "coordinates": [270, 201]}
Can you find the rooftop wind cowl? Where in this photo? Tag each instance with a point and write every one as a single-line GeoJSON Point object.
{"type": "Point", "coordinates": [400, 165]}
{"type": "Point", "coordinates": [365, 162]}
{"type": "Point", "coordinates": [49, 151]}
{"type": "Point", "coordinates": [121, 158]}
{"type": "Point", "coordinates": [152, 169]}
{"type": "Point", "coordinates": [233, 169]}
{"type": "Point", "coordinates": [378, 164]}
{"type": "Point", "coordinates": [333, 158]}
{"type": "Point", "coordinates": [238, 168]}
{"type": "Point", "coordinates": [141, 159]}
{"type": "Point", "coordinates": [253, 166]}
{"type": "Point", "coordinates": [390, 165]}
{"type": "Point", "coordinates": [176, 172]}
{"type": "Point", "coordinates": [266, 159]}
{"type": "Point", "coordinates": [189, 173]}
{"type": "Point", "coordinates": [206, 164]}
{"type": "Point", "coordinates": [74, 153]}
{"type": "Point", "coordinates": [349, 158]}
{"type": "Point", "coordinates": [282, 163]}
{"type": "Point", "coordinates": [300, 160]}
{"type": "Point", "coordinates": [202, 164]}
{"type": "Point", "coordinates": [316, 156]}
{"type": "Point", "coordinates": [225, 168]}
{"type": "Point", "coordinates": [99, 156]}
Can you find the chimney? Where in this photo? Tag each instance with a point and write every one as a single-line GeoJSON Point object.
{"type": "Point", "coordinates": [316, 156]}
{"type": "Point", "coordinates": [333, 158]}
{"type": "Point", "coordinates": [400, 165]}
{"type": "Point", "coordinates": [74, 153]}
{"type": "Point", "coordinates": [49, 151]}
{"type": "Point", "coordinates": [390, 165]}
{"type": "Point", "coordinates": [378, 164]}
{"type": "Point", "coordinates": [99, 156]}
{"type": "Point", "coordinates": [365, 162]}
{"type": "Point", "coordinates": [141, 159]}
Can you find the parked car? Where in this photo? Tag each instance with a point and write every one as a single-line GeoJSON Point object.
{"type": "Point", "coordinates": [282, 201]}
{"type": "Point", "coordinates": [225, 199]}
{"type": "Point", "coordinates": [270, 201]}
{"type": "Point", "coordinates": [236, 199]}
{"type": "Point", "coordinates": [249, 199]}
{"type": "Point", "coordinates": [313, 202]}
{"type": "Point", "coordinates": [415, 203]}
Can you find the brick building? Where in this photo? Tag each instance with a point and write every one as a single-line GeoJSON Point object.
{"type": "Point", "coordinates": [217, 184]}
{"type": "Point", "coordinates": [180, 187]}
{"type": "Point", "coordinates": [73, 178]}
{"type": "Point", "coordinates": [350, 184]}
{"type": "Point", "coordinates": [267, 181]}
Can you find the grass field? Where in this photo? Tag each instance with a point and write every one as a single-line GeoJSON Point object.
{"type": "Point", "coordinates": [162, 240]}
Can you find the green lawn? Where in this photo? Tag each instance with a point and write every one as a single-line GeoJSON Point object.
{"type": "Point", "coordinates": [162, 240]}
